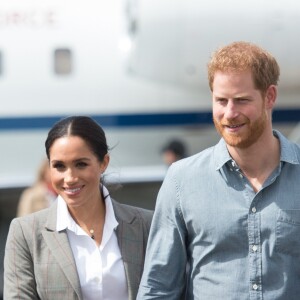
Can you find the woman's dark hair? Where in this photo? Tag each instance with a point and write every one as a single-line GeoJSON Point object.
{"type": "Point", "coordinates": [82, 126]}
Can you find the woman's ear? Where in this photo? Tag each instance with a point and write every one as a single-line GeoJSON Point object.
{"type": "Point", "coordinates": [104, 163]}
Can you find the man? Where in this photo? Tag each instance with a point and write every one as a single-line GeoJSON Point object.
{"type": "Point", "coordinates": [231, 212]}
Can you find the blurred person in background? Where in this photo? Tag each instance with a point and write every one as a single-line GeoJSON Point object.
{"type": "Point", "coordinates": [39, 196]}
{"type": "Point", "coordinates": [173, 151]}
{"type": "Point", "coordinates": [86, 245]}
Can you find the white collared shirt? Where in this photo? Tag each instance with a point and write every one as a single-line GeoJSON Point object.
{"type": "Point", "coordinates": [100, 269]}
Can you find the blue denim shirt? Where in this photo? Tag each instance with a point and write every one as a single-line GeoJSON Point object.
{"type": "Point", "coordinates": [238, 244]}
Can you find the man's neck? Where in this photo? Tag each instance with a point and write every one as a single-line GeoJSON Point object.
{"type": "Point", "coordinates": [259, 160]}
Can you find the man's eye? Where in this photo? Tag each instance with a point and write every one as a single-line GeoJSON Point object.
{"type": "Point", "coordinates": [221, 101]}
{"type": "Point", "coordinates": [242, 99]}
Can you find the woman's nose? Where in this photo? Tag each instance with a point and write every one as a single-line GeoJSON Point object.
{"type": "Point", "coordinates": [70, 176]}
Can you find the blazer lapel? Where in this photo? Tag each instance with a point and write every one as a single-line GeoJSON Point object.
{"type": "Point", "coordinates": [131, 242]}
{"type": "Point", "coordinates": [58, 244]}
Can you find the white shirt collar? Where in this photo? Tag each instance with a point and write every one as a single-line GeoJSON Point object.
{"type": "Point", "coordinates": [65, 220]}
{"type": "Point", "coordinates": [100, 269]}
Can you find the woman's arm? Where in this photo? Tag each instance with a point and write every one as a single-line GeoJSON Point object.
{"type": "Point", "coordinates": [19, 280]}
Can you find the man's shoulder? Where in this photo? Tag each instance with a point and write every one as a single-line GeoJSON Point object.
{"type": "Point", "coordinates": [199, 159]}
{"type": "Point", "coordinates": [290, 151]}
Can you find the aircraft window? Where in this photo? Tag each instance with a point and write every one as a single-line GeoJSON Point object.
{"type": "Point", "coordinates": [62, 61]}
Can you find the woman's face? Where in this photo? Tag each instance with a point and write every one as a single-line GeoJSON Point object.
{"type": "Point", "coordinates": [75, 171]}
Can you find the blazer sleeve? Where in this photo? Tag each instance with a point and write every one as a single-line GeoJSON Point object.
{"type": "Point", "coordinates": [19, 281]}
{"type": "Point", "coordinates": [146, 217]}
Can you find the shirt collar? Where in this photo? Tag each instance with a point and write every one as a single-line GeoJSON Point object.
{"type": "Point", "coordinates": [221, 154]}
{"type": "Point", "coordinates": [65, 220]}
{"type": "Point", "coordinates": [288, 151]}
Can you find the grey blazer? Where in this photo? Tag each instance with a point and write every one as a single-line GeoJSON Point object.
{"type": "Point", "coordinates": [39, 263]}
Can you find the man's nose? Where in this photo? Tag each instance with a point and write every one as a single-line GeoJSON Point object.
{"type": "Point", "coordinates": [231, 110]}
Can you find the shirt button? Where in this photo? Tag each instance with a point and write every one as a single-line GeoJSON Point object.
{"type": "Point", "coordinates": [253, 209]}
{"type": "Point", "coordinates": [255, 286]}
{"type": "Point", "coordinates": [254, 248]}
{"type": "Point", "coordinates": [241, 175]}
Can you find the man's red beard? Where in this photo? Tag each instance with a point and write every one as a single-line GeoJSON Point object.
{"type": "Point", "coordinates": [247, 135]}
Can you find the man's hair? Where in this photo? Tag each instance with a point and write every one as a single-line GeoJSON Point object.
{"type": "Point", "coordinates": [242, 56]}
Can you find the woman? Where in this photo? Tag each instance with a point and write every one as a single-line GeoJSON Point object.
{"type": "Point", "coordinates": [86, 245]}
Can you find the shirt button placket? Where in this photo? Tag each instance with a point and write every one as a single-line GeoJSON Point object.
{"type": "Point", "coordinates": [254, 254]}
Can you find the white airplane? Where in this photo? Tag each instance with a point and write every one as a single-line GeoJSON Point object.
{"type": "Point", "coordinates": [136, 66]}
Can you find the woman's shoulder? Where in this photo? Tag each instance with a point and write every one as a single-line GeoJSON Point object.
{"type": "Point", "coordinates": [129, 212]}
{"type": "Point", "coordinates": [35, 219]}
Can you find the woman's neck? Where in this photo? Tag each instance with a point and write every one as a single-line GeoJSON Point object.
{"type": "Point", "coordinates": [91, 219]}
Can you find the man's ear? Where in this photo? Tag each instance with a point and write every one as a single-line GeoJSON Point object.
{"type": "Point", "coordinates": [271, 96]}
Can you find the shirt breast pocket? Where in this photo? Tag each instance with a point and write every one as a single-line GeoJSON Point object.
{"type": "Point", "coordinates": [288, 232]}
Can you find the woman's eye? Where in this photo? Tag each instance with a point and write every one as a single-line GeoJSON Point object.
{"type": "Point", "coordinates": [81, 164]}
{"type": "Point", "coordinates": [58, 166]}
